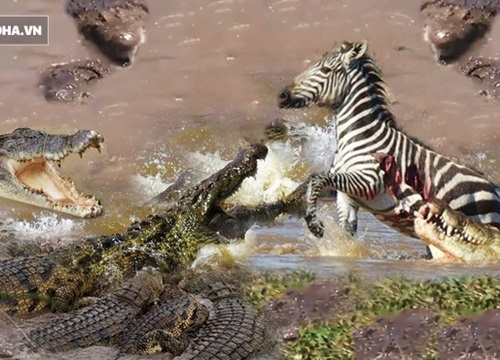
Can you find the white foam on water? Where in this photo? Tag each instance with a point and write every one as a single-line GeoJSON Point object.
{"type": "Point", "coordinates": [336, 241]}
{"type": "Point", "coordinates": [46, 228]}
{"type": "Point", "coordinates": [153, 184]}
{"type": "Point", "coordinates": [273, 180]}
{"type": "Point", "coordinates": [205, 164]}
{"type": "Point", "coordinates": [219, 256]}
{"type": "Point", "coordinates": [149, 185]}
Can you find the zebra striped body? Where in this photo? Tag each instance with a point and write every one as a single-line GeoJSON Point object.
{"type": "Point", "coordinates": [348, 82]}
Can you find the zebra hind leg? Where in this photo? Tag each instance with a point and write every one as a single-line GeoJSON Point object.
{"type": "Point", "coordinates": [347, 209]}
{"type": "Point", "coordinates": [348, 213]}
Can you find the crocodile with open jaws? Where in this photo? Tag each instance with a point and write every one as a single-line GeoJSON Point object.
{"type": "Point", "coordinates": [204, 318]}
{"type": "Point", "coordinates": [28, 170]}
{"type": "Point", "coordinates": [458, 236]}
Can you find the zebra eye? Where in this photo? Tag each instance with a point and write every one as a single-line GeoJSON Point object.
{"type": "Point", "coordinates": [325, 69]}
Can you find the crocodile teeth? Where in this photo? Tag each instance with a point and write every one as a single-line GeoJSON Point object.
{"type": "Point", "coordinates": [449, 230]}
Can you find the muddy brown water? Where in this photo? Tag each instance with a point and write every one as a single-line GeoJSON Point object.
{"type": "Point", "coordinates": [205, 82]}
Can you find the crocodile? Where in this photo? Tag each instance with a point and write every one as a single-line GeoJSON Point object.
{"type": "Point", "coordinates": [116, 27]}
{"type": "Point", "coordinates": [166, 327]}
{"type": "Point", "coordinates": [458, 236]}
{"type": "Point", "coordinates": [167, 240]}
{"type": "Point", "coordinates": [235, 329]}
{"type": "Point", "coordinates": [452, 26]}
{"type": "Point", "coordinates": [237, 220]}
{"type": "Point", "coordinates": [102, 322]}
{"type": "Point", "coordinates": [28, 171]}
{"type": "Point", "coordinates": [202, 316]}
{"type": "Point", "coordinates": [68, 82]}
{"type": "Point", "coordinates": [214, 321]}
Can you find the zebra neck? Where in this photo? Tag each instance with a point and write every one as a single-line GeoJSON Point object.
{"type": "Point", "coordinates": [362, 114]}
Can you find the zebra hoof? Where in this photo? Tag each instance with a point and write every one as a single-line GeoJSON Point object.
{"type": "Point", "coordinates": [316, 227]}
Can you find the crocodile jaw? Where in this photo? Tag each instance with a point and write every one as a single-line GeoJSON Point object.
{"type": "Point", "coordinates": [37, 182]}
{"type": "Point", "coordinates": [457, 235]}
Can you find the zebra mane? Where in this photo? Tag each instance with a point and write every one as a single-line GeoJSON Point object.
{"type": "Point", "coordinates": [373, 76]}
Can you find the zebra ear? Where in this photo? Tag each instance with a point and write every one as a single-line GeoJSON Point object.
{"type": "Point", "coordinates": [345, 46]}
{"type": "Point", "coordinates": [353, 51]}
{"type": "Point", "coordinates": [359, 49]}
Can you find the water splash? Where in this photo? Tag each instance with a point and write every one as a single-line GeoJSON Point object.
{"type": "Point", "coordinates": [309, 146]}
{"type": "Point", "coordinates": [44, 227]}
{"type": "Point", "coordinates": [273, 180]}
{"type": "Point", "coordinates": [336, 241]}
{"type": "Point", "coordinates": [149, 185]}
{"type": "Point", "coordinates": [317, 144]}
{"type": "Point", "coordinates": [45, 232]}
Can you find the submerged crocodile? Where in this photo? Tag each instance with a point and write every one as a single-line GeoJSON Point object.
{"type": "Point", "coordinates": [68, 82]}
{"type": "Point", "coordinates": [168, 240]}
{"type": "Point", "coordinates": [28, 170]}
{"type": "Point", "coordinates": [452, 26]}
{"type": "Point", "coordinates": [485, 70]}
{"type": "Point", "coordinates": [116, 27]}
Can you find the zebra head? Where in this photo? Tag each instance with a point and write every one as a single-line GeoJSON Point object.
{"type": "Point", "coordinates": [324, 83]}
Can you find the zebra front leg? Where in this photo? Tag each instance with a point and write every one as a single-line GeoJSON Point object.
{"type": "Point", "coordinates": [317, 183]}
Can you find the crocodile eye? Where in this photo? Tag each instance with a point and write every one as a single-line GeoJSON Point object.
{"type": "Point", "coordinates": [325, 70]}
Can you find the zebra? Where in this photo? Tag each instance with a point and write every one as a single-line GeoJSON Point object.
{"type": "Point", "coordinates": [348, 82]}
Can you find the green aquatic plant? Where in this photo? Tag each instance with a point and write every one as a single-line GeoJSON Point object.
{"type": "Point", "coordinates": [264, 287]}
